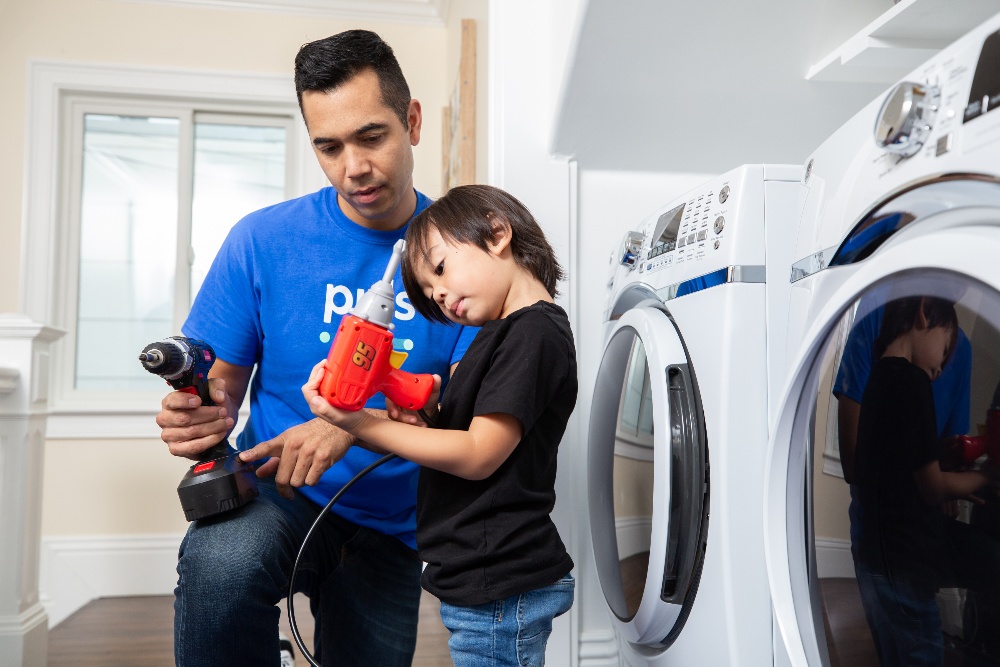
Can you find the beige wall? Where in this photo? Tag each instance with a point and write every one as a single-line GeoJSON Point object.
{"type": "Point", "coordinates": [124, 486]}
{"type": "Point", "coordinates": [831, 494]}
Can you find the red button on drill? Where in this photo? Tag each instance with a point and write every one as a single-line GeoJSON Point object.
{"type": "Point", "coordinates": [202, 467]}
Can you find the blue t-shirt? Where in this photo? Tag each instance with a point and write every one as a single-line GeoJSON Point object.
{"type": "Point", "coordinates": [951, 388]}
{"type": "Point", "coordinates": [274, 297]}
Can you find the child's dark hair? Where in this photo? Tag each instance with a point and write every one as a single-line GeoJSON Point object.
{"type": "Point", "coordinates": [325, 64]}
{"type": "Point", "coordinates": [900, 316]}
{"type": "Point", "coordinates": [469, 214]}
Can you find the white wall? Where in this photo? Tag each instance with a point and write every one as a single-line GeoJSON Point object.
{"type": "Point", "coordinates": [528, 44]}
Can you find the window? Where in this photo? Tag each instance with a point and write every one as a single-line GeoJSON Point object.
{"type": "Point", "coordinates": [134, 178]}
{"type": "Point", "coordinates": [158, 192]}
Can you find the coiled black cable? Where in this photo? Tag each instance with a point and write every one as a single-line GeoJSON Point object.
{"type": "Point", "coordinates": [305, 541]}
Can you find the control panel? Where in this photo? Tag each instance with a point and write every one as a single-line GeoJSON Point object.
{"type": "Point", "coordinates": [687, 232]}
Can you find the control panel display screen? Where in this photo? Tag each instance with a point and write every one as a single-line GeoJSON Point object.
{"type": "Point", "coordinates": [665, 233]}
{"type": "Point", "coordinates": [984, 96]}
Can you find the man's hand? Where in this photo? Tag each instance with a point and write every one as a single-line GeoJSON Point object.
{"type": "Point", "coordinates": [414, 417]}
{"type": "Point", "coordinates": [300, 455]}
{"type": "Point", "coordinates": [188, 427]}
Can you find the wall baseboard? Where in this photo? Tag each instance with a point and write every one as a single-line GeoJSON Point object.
{"type": "Point", "coordinates": [76, 570]}
{"type": "Point", "coordinates": [598, 649]}
{"type": "Point", "coordinates": [833, 558]}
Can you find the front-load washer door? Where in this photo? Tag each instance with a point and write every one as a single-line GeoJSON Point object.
{"type": "Point", "coordinates": [648, 477]}
{"type": "Point", "coordinates": [882, 530]}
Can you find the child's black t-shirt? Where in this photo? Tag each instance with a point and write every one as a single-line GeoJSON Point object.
{"type": "Point", "coordinates": [897, 435]}
{"type": "Point", "coordinates": [486, 540]}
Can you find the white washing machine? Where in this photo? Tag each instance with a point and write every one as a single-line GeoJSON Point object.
{"type": "Point", "coordinates": [902, 201]}
{"type": "Point", "coordinates": [679, 423]}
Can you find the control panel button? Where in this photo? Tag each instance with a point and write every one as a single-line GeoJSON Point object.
{"type": "Point", "coordinates": [720, 224]}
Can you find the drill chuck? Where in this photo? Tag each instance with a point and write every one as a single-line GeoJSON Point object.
{"type": "Point", "coordinates": [170, 358]}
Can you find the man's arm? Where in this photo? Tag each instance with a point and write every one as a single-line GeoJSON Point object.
{"type": "Point", "coordinates": [848, 411]}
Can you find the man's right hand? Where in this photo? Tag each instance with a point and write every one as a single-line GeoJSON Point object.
{"type": "Point", "coordinates": [188, 427]}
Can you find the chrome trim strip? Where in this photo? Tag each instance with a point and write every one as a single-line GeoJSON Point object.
{"type": "Point", "coordinates": [751, 273]}
{"type": "Point", "coordinates": [814, 263]}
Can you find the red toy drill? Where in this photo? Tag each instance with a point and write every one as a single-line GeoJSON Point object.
{"type": "Point", "coordinates": [361, 360]}
{"type": "Point", "coordinates": [220, 481]}
{"type": "Point", "coordinates": [971, 447]}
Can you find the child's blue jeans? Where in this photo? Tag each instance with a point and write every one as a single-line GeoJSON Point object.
{"type": "Point", "coordinates": [510, 632]}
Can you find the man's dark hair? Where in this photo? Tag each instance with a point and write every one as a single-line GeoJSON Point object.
{"type": "Point", "coordinates": [469, 214]}
{"type": "Point", "coordinates": [325, 64]}
{"type": "Point", "coordinates": [900, 316]}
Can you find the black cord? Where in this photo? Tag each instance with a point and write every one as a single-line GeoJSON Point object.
{"type": "Point", "coordinates": [430, 421]}
{"type": "Point", "coordinates": [305, 541]}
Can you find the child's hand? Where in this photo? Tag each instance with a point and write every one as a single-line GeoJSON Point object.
{"type": "Point", "coordinates": [322, 408]}
{"type": "Point", "coordinates": [414, 417]}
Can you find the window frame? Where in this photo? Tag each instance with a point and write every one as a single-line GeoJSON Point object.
{"type": "Point", "coordinates": [51, 224]}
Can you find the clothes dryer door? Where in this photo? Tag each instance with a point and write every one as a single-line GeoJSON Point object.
{"type": "Point", "coordinates": [900, 556]}
{"type": "Point", "coordinates": [648, 477]}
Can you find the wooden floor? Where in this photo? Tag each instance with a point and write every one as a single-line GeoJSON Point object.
{"type": "Point", "coordinates": [138, 632]}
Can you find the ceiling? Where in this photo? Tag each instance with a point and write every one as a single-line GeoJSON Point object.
{"type": "Point", "coordinates": [408, 11]}
{"type": "Point", "coordinates": [702, 86]}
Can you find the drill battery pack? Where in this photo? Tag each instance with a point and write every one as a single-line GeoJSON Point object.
{"type": "Point", "coordinates": [216, 486]}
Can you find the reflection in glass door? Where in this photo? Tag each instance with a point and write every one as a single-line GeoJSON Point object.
{"type": "Point", "coordinates": [647, 476]}
{"type": "Point", "coordinates": [903, 513]}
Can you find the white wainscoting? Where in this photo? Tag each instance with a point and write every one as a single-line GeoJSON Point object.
{"type": "Point", "coordinates": [76, 570]}
{"type": "Point", "coordinates": [833, 558]}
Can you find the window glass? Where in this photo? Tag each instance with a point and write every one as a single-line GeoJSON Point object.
{"type": "Point", "coordinates": [128, 233]}
{"type": "Point", "coordinates": [237, 169]}
{"type": "Point", "coordinates": [145, 189]}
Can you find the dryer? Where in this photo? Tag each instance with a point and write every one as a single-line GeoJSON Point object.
{"type": "Point", "coordinates": [902, 201]}
{"type": "Point", "coordinates": [679, 423]}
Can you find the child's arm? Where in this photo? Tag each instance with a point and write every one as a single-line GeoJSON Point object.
{"type": "Point", "coordinates": [937, 486]}
{"type": "Point", "coordinates": [472, 454]}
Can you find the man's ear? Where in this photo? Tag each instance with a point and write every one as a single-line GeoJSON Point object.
{"type": "Point", "coordinates": [501, 232]}
{"type": "Point", "coordinates": [414, 118]}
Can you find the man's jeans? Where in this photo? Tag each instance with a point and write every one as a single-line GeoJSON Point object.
{"type": "Point", "coordinates": [233, 569]}
{"type": "Point", "coordinates": [507, 633]}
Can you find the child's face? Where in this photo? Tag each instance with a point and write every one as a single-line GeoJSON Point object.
{"type": "Point", "coordinates": [930, 349]}
{"type": "Point", "coordinates": [467, 283]}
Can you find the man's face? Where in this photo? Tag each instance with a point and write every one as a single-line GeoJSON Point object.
{"type": "Point", "coordinates": [364, 150]}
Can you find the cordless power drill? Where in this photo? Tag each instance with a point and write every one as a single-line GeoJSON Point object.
{"type": "Point", "coordinates": [220, 481]}
{"type": "Point", "coordinates": [362, 362]}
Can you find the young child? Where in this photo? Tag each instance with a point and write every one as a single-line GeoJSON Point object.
{"type": "Point", "coordinates": [486, 488]}
{"type": "Point", "coordinates": [908, 547]}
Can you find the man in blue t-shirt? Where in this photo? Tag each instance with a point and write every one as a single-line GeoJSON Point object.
{"type": "Point", "coordinates": [270, 306]}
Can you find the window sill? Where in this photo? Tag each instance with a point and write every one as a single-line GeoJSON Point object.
{"type": "Point", "coordinates": [102, 425]}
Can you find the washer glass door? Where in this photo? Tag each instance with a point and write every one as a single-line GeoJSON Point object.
{"type": "Point", "coordinates": [892, 481]}
{"type": "Point", "coordinates": [648, 472]}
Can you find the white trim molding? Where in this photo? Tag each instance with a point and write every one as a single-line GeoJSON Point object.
{"type": "Point", "coordinates": [77, 570]}
{"type": "Point", "coordinates": [599, 649]}
{"type": "Point", "coordinates": [833, 558]}
{"type": "Point", "coordinates": [432, 12]}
